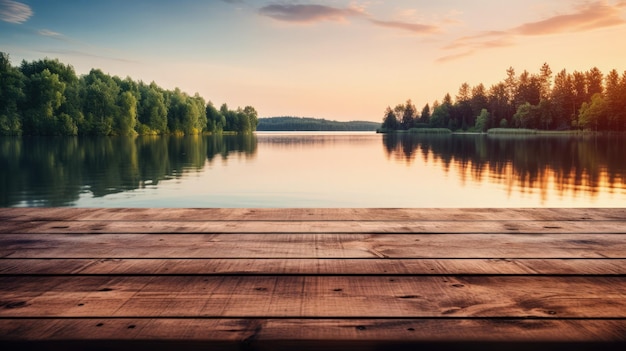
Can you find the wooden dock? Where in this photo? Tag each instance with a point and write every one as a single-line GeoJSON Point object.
{"type": "Point", "coordinates": [312, 279]}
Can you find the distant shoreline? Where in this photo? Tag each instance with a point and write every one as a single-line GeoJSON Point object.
{"type": "Point", "coordinates": [308, 124]}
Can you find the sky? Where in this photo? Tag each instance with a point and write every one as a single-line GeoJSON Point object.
{"type": "Point", "coordinates": [335, 59]}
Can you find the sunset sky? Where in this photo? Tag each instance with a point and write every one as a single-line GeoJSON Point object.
{"type": "Point", "coordinates": [334, 59]}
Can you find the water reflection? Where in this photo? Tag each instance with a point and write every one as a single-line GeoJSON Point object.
{"type": "Point", "coordinates": [314, 170]}
{"type": "Point", "coordinates": [56, 171]}
{"type": "Point", "coordinates": [570, 164]}
{"type": "Point", "coordinates": [292, 140]}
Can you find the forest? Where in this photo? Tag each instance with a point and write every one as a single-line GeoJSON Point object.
{"type": "Point", "coordinates": [313, 124]}
{"type": "Point", "coordinates": [590, 101]}
{"type": "Point", "coordinates": [47, 97]}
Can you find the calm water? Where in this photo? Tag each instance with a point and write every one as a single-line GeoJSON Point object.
{"type": "Point", "coordinates": [314, 170]}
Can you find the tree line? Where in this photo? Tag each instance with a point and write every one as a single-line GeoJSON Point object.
{"type": "Point", "coordinates": [587, 100]}
{"type": "Point", "coordinates": [47, 97]}
{"type": "Point", "coordinates": [313, 124]}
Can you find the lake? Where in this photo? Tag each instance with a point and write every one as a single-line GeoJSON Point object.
{"type": "Point", "coordinates": [315, 170]}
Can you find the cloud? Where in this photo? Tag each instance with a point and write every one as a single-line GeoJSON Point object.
{"type": "Point", "coordinates": [589, 16]}
{"type": "Point", "coordinates": [416, 28]}
{"type": "Point", "coordinates": [14, 12]}
{"type": "Point", "coordinates": [308, 13]}
{"type": "Point", "coordinates": [49, 33]}
{"type": "Point", "coordinates": [86, 54]}
{"type": "Point", "coordinates": [455, 56]}
{"type": "Point", "coordinates": [317, 13]}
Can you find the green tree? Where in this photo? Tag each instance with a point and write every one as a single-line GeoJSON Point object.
{"type": "Point", "coordinates": [479, 100]}
{"type": "Point", "coordinates": [562, 97]}
{"type": "Point", "coordinates": [200, 108]}
{"type": "Point", "coordinates": [498, 103]}
{"type": "Point", "coordinates": [463, 108]}
{"type": "Point", "coordinates": [11, 96]}
{"type": "Point", "coordinates": [243, 123]}
{"type": "Point", "coordinates": [482, 120]}
{"type": "Point", "coordinates": [545, 79]}
{"type": "Point", "coordinates": [510, 82]}
{"type": "Point", "coordinates": [593, 114]}
{"type": "Point", "coordinates": [252, 116]}
{"type": "Point", "coordinates": [425, 115]}
{"type": "Point", "coordinates": [579, 90]}
{"type": "Point", "coordinates": [215, 120]}
{"type": "Point", "coordinates": [408, 115]}
{"type": "Point", "coordinates": [616, 101]}
{"type": "Point", "coordinates": [232, 121]}
{"type": "Point", "coordinates": [45, 97]}
{"type": "Point", "coordinates": [152, 112]}
{"type": "Point", "coordinates": [390, 121]}
{"type": "Point", "coordinates": [100, 103]}
{"type": "Point", "coordinates": [594, 79]}
{"type": "Point", "coordinates": [441, 115]}
{"type": "Point", "coordinates": [545, 114]}
{"type": "Point", "coordinates": [127, 114]}
{"type": "Point", "coordinates": [44, 93]}
{"type": "Point", "coordinates": [71, 102]}
{"type": "Point", "coordinates": [528, 89]}
{"type": "Point", "coordinates": [526, 116]}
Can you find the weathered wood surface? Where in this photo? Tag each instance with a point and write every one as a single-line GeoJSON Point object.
{"type": "Point", "coordinates": [274, 279]}
{"type": "Point", "coordinates": [320, 214]}
{"type": "Point", "coordinates": [310, 297]}
{"type": "Point", "coordinates": [308, 266]}
{"type": "Point", "coordinates": [314, 227]}
{"type": "Point", "coordinates": [504, 245]}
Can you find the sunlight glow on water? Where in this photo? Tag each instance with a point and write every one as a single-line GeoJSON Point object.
{"type": "Point", "coordinates": [315, 170]}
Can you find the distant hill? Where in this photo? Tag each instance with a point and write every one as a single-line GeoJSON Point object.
{"type": "Point", "coordinates": [306, 124]}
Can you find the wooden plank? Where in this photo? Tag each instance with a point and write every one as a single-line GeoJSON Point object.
{"type": "Point", "coordinates": [316, 214]}
{"type": "Point", "coordinates": [314, 296]}
{"type": "Point", "coordinates": [264, 330]}
{"type": "Point", "coordinates": [313, 246]}
{"type": "Point", "coordinates": [80, 278]}
{"type": "Point", "coordinates": [290, 227]}
{"type": "Point", "coordinates": [373, 266]}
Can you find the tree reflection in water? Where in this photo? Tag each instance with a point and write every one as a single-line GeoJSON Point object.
{"type": "Point", "coordinates": [571, 164]}
{"type": "Point", "coordinates": [55, 171]}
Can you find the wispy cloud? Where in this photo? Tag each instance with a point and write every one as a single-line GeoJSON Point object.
{"type": "Point", "coordinates": [86, 54]}
{"type": "Point", "coordinates": [308, 13]}
{"type": "Point", "coordinates": [312, 13]}
{"type": "Point", "coordinates": [73, 47]}
{"type": "Point", "coordinates": [597, 14]}
{"type": "Point", "coordinates": [14, 12]}
{"type": "Point", "coordinates": [586, 17]}
{"type": "Point", "coordinates": [455, 56]}
{"type": "Point", "coordinates": [416, 28]}
{"type": "Point", "coordinates": [49, 33]}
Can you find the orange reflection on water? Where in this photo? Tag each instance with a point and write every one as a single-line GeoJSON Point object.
{"type": "Point", "coordinates": [554, 168]}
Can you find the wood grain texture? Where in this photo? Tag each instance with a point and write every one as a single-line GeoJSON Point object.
{"type": "Point", "coordinates": [311, 279]}
{"type": "Point", "coordinates": [315, 214]}
{"type": "Point", "coordinates": [322, 227]}
{"type": "Point", "coordinates": [315, 296]}
{"type": "Point", "coordinates": [313, 246]}
{"type": "Point", "coordinates": [304, 266]}
{"type": "Point", "coordinates": [238, 329]}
